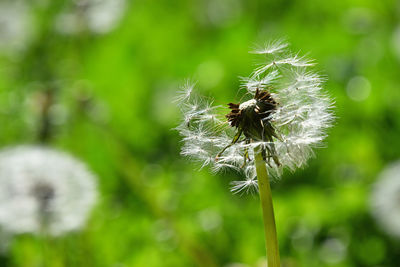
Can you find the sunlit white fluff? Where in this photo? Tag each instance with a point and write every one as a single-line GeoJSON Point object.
{"type": "Point", "coordinates": [43, 191]}
{"type": "Point", "coordinates": [302, 116]}
{"type": "Point", "coordinates": [385, 200]}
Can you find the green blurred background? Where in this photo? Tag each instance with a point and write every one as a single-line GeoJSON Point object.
{"type": "Point", "coordinates": [104, 95]}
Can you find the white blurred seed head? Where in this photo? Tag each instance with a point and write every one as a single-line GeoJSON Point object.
{"type": "Point", "coordinates": [300, 120]}
{"type": "Point", "coordinates": [15, 22]}
{"type": "Point", "coordinates": [44, 191]}
{"type": "Point", "coordinates": [97, 16]}
{"type": "Point", "coordinates": [385, 200]}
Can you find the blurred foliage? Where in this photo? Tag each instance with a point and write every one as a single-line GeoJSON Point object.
{"type": "Point", "coordinates": [107, 99]}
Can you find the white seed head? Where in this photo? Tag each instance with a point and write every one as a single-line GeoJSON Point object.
{"type": "Point", "coordinates": [43, 190]}
{"type": "Point", "coordinates": [300, 117]}
{"type": "Point", "coordinates": [15, 25]}
{"type": "Point", "coordinates": [97, 16]}
{"type": "Point", "coordinates": [385, 200]}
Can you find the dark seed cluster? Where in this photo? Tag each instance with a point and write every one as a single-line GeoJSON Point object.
{"type": "Point", "coordinates": [252, 118]}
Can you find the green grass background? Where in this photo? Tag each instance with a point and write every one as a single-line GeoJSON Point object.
{"type": "Point", "coordinates": [113, 111]}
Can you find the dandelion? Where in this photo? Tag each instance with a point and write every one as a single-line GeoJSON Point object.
{"type": "Point", "coordinates": [97, 16]}
{"type": "Point", "coordinates": [15, 30]}
{"type": "Point", "coordinates": [43, 191]}
{"type": "Point", "coordinates": [285, 116]}
{"type": "Point", "coordinates": [385, 200]}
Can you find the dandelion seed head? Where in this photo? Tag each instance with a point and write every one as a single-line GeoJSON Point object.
{"type": "Point", "coordinates": [43, 190]}
{"type": "Point", "coordinates": [286, 116]}
{"type": "Point", "coordinates": [97, 16]}
{"type": "Point", "coordinates": [385, 200]}
{"type": "Point", "coordinates": [15, 29]}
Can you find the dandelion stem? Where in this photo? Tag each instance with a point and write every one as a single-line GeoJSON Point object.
{"type": "Point", "coordinates": [267, 210]}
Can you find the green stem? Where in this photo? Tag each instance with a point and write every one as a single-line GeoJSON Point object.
{"type": "Point", "coordinates": [267, 210]}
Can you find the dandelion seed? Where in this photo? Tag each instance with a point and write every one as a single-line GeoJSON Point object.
{"type": "Point", "coordinates": [185, 93]}
{"type": "Point", "coordinates": [273, 47]}
{"type": "Point", "coordinates": [287, 115]}
{"type": "Point", "coordinates": [43, 191]}
{"type": "Point", "coordinates": [246, 185]}
{"type": "Point", "coordinates": [385, 200]}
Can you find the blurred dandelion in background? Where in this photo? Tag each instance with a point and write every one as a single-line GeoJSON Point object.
{"type": "Point", "coordinates": [385, 200]}
{"type": "Point", "coordinates": [395, 42]}
{"type": "Point", "coordinates": [15, 22]}
{"type": "Point", "coordinates": [44, 191]}
{"type": "Point", "coordinates": [287, 98]}
{"type": "Point", "coordinates": [97, 16]}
